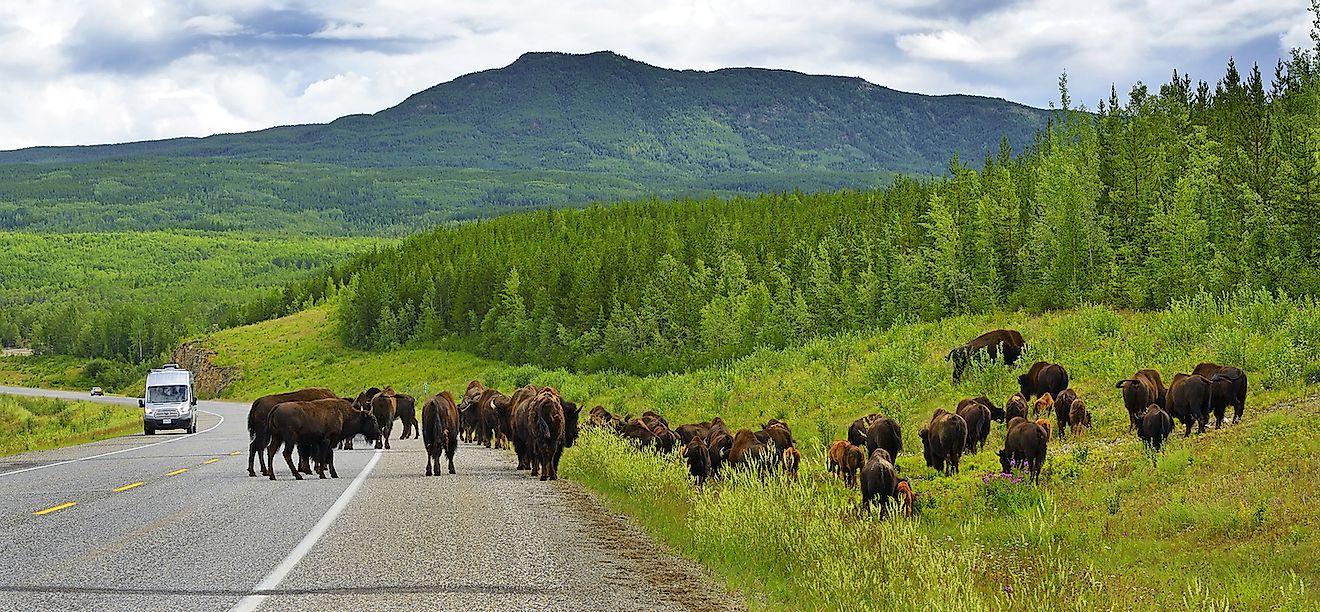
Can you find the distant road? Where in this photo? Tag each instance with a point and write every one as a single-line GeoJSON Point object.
{"type": "Point", "coordinates": [173, 522]}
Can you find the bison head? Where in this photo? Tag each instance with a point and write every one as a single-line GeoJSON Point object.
{"type": "Point", "coordinates": [571, 414]}
{"type": "Point", "coordinates": [362, 422]}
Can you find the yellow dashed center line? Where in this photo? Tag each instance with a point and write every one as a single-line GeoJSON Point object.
{"type": "Point", "coordinates": [236, 453]}
{"type": "Point", "coordinates": [209, 461]}
{"type": "Point", "coordinates": [54, 508]}
{"type": "Point", "coordinates": [177, 472]}
{"type": "Point", "coordinates": [128, 486]}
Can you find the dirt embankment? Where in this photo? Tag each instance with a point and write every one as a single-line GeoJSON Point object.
{"type": "Point", "coordinates": [209, 380]}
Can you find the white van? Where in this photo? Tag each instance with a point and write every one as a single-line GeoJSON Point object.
{"type": "Point", "coordinates": [169, 402]}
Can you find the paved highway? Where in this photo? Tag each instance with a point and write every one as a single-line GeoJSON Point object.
{"type": "Point", "coordinates": [173, 522]}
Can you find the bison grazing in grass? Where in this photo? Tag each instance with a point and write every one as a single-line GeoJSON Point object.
{"type": "Point", "coordinates": [1000, 343]}
{"type": "Point", "coordinates": [1015, 407]}
{"type": "Point", "coordinates": [906, 498]}
{"type": "Point", "coordinates": [1024, 442]}
{"type": "Point", "coordinates": [720, 444]}
{"type": "Point", "coordinates": [857, 430]}
{"type": "Point", "coordinates": [1079, 417]}
{"type": "Point", "coordinates": [879, 480]}
{"type": "Point", "coordinates": [698, 460]}
{"type": "Point", "coordinates": [1228, 387]}
{"type": "Point", "coordinates": [259, 418]}
{"type": "Point", "coordinates": [440, 424]}
{"type": "Point", "coordinates": [1063, 408]}
{"type": "Point", "coordinates": [1188, 400]}
{"type": "Point", "coordinates": [1154, 427]}
{"type": "Point", "coordinates": [978, 417]}
{"type": "Point", "coordinates": [792, 459]}
{"type": "Point", "coordinates": [639, 434]}
{"type": "Point", "coordinates": [943, 441]}
{"type": "Point", "coordinates": [314, 427]}
{"type": "Point", "coordinates": [1143, 389]}
{"type": "Point", "coordinates": [1044, 405]}
{"type": "Point", "coordinates": [845, 459]}
{"type": "Point", "coordinates": [885, 434]}
{"type": "Point", "coordinates": [691, 431]}
{"type": "Point", "coordinates": [749, 451]}
{"type": "Point", "coordinates": [1043, 377]}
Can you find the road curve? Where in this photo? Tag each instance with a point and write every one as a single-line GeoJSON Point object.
{"type": "Point", "coordinates": [197, 533]}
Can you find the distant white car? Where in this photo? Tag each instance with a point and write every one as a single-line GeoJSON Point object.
{"type": "Point", "coordinates": [97, 391]}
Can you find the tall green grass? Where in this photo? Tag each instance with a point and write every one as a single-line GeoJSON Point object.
{"type": "Point", "coordinates": [36, 423]}
{"type": "Point", "coordinates": [1219, 521]}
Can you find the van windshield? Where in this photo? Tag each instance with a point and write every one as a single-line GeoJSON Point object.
{"type": "Point", "coordinates": [167, 394]}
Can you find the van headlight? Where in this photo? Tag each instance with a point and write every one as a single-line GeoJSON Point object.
{"type": "Point", "coordinates": [149, 411]}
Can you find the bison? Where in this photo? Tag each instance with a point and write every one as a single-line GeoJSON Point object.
{"type": "Point", "coordinates": [996, 413]}
{"type": "Point", "coordinates": [1044, 405]}
{"type": "Point", "coordinates": [493, 419]}
{"type": "Point", "coordinates": [1155, 426]}
{"type": "Point", "coordinates": [1043, 377]}
{"type": "Point", "coordinates": [720, 445]}
{"type": "Point", "coordinates": [387, 406]}
{"type": "Point", "coordinates": [639, 434]}
{"type": "Point", "coordinates": [539, 430]}
{"type": "Point", "coordinates": [1016, 406]}
{"type": "Point", "coordinates": [315, 426]}
{"type": "Point", "coordinates": [1188, 400]}
{"type": "Point", "coordinates": [978, 417]}
{"type": "Point", "coordinates": [792, 460]}
{"type": "Point", "coordinates": [777, 433]}
{"type": "Point", "coordinates": [1228, 387]}
{"type": "Point", "coordinates": [1063, 408]}
{"type": "Point", "coordinates": [259, 417]}
{"type": "Point", "coordinates": [691, 431]}
{"type": "Point", "coordinates": [885, 433]}
{"type": "Point", "coordinates": [440, 424]}
{"type": "Point", "coordinates": [1005, 343]}
{"type": "Point", "coordinates": [943, 441]}
{"type": "Point", "coordinates": [748, 451]}
{"type": "Point", "coordinates": [857, 430]}
{"type": "Point", "coordinates": [698, 460]}
{"type": "Point", "coordinates": [1078, 417]}
{"type": "Point", "coordinates": [879, 479]}
{"type": "Point", "coordinates": [906, 498]}
{"type": "Point", "coordinates": [1143, 389]}
{"type": "Point", "coordinates": [469, 411]}
{"type": "Point", "coordinates": [1045, 424]}
{"type": "Point", "coordinates": [1024, 442]}
{"type": "Point", "coordinates": [845, 459]}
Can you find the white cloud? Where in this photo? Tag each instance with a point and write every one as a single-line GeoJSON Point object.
{"type": "Point", "coordinates": [87, 71]}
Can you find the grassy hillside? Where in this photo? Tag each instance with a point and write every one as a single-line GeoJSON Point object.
{"type": "Point", "coordinates": [36, 423]}
{"type": "Point", "coordinates": [551, 129]}
{"type": "Point", "coordinates": [1219, 521]}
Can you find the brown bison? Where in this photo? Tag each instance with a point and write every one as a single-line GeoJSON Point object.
{"type": "Point", "coordinates": [978, 417]}
{"type": "Point", "coordinates": [541, 430]}
{"type": "Point", "coordinates": [1188, 400]}
{"type": "Point", "coordinates": [777, 433]}
{"type": "Point", "coordinates": [469, 411]}
{"type": "Point", "coordinates": [259, 416]}
{"type": "Point", "coordinates": [792, 459]}
{"type": "Point", "coordinates": [906, 498]}
{"type": "Point", "coordinates": [1079, 417]}
{"type": "Point", "coordinates": [1044, 405]}
{"type": "Point", "coordinates": [1143, 389]}
{"type": "Point", "coordinates": [996, 413]}
{"type": "Point", "coordinates": [1024, 443]}
{"type": "Point", "coordinates": [1043, 377]}
{"type": "Point", "coordinates": [1005, 343]}
{"type": "Point", "coordinates": [1063, 408]}
{"type": "Point", "coordinates": [720, 444]}
{"type": "Point", "coordinates": [1015, 407]}
{"type": "Point", "coordinates": [387, 406]}
{"type": "Point", "coordinates": [698, 460]}
{"type": "Point", "coordinates": [315, 427]}
{"type": "Point", "coordinates": [639, 434]}
{"type": "Point", "coordinates": [440, 431]}
{"type": "Point", "coordinates": [879, 480]}
{"type": "Point", "coordinates": [692, 431]}
{"type": "Point", "coordinates": [748, 451]}
{"type": "Point", "coordinates": [1049, 430]}
{"type": "Point", "coordinates": [493, 419]}
{"type": "Point", "coordinates": [665, 438]}
{"type": "Point", "coordinates": [943, 441]}
{"type": "Point", "coordinates": [845, 459]}
{"type": "Point", "coordinates": [1155, 426]}
{"type": "Point", "coordinates": [1228, 387]}
{"type": "Point", "coordinates": [885, 433]}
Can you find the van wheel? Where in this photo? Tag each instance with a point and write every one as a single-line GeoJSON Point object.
{"type": "Point", "coordinates": [192, 429]}
{"type": "Point", "coordinates": [147, 430]}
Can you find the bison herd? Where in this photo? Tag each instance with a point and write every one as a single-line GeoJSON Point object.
{"type": "Point", "coordinates": [538, 424]}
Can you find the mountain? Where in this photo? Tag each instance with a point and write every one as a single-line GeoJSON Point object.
{"type": "Point", "coordinates": [535, 132]}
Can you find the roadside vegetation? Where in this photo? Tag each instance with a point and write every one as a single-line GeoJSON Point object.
{"type": "Point", "coordinates": [37, 423]}
{"type": "Point", "coordinates": [1217, 521]}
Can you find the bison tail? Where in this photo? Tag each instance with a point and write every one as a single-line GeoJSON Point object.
{"type": "Point", "coordinates": [542, 426]}
{"type": "Point", "coordinates": [1119, 384]}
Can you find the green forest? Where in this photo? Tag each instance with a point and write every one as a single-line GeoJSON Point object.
{"type": "Point", "coordinates": [1177, 189]}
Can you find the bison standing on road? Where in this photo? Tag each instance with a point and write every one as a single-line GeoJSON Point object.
{"type": "Point", "coordinates": [539, 428]}
{"type": "Point", "coordinates": [879, 479]}
{"type": "Point", "coordinates": [469, 411]}
{"type": "Point", "coordinates": [1143, 389]}
{"type": "Point", "coordinates": [258, 423]}
{"type": "Point", "coordinates": [1043, 377]}
{"type": "Point", "coordinates": [1005, 343]}
{"type": "Point", "coordinates": [943, 440]}
{"type": "Point", "coordinates": [977, 416]}
{"type": "Point", "coordinates": [315, 426]}
{"type": "Point", "coordinates": [1024, 442]}
{"type": "Point", "coordinates": [440, 431]}
{"type": "Point", "coordinates": [1228, 387]}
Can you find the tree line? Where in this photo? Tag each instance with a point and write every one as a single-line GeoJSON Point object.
{"type": "Point", "coordinates": [1178, 189]}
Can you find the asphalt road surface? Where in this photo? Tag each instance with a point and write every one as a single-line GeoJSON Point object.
{"type": "Point", "coordinates": [173, 522]}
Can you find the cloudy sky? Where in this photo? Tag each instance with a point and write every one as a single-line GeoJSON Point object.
{"type": "Point", "coordinates": [95, 71]}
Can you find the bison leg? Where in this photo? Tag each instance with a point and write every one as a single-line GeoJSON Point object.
{"type": "Point", "coordinates": [288, 458]}
{"type": "Point", "coordinates": [254, 450]}
{"type": "Point", "coordinates": [274, 446]}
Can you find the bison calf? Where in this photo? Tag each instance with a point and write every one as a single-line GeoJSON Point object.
{"type": "Point", "coordinates": [1079, 417]}
{"type": "Point", "coordinates": [846, 459]}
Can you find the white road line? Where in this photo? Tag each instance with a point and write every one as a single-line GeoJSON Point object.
{"type": "Point", "coordinates": [122, 450]}
{"type": "Point", "coordinates": [276, 576]}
